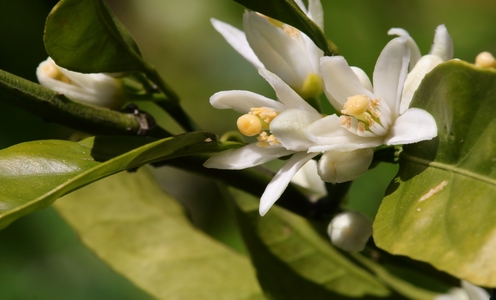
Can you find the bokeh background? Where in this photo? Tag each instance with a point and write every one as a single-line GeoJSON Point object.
{"type": "Point", "coordinates": [41, 257]}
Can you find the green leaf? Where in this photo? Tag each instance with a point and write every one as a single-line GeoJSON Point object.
{"type": "Point", "coordinates": [287, 11]}
{"type": "Point", "coordinates": [440, 208]}
{"type": "Point", "coordinates": [84, 36]}
{"type": "Point", "coordinates": [294, 262]}
{"type": "Point", "coordinates": [34, 174]}
{"type": "Point", "coordinates": [144, 234]}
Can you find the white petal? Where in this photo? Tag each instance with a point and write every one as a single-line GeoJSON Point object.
{"type": "Point", "coordinates": [331, 136]}
{"type": "Point", "coordinates": [413, 126]}
{"type": "Point", "coordinates": [474, 292]}
{"type": "Point", "coordinates": [414, 49]}
{"type": "Point", "coordinates": [414, 78]}
{"type": "Point", "coordinates": [316, 12]}
{"type": "Point", "coordinates": [288, 127]}
{"type": "Point", "coordinates": [281, 180]}
{"type": "Point", "coordinates": [284, 54]}
{"type": "Point", "coordinates": [237, 39]}
{"type": "Point", "coordinates": [390, 73]}
{"type": "Point", "coordinates": [308, 178]}
{"type": "Point", "coordinates": [364, 79]}
{"type": "Point", "coordinates": [340, 81]}
{"type": "Point", "coordinates": [245, 157]}
{"type": "Point", "coordinates": [243, 101]}
{"type": "Point", "coordinates": [286, 94]}
{"type": "Point", "coordinates": [443, 45]}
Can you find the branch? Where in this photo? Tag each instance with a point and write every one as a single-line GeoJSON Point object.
{"type": "Point", "coordinates": [54, 107]}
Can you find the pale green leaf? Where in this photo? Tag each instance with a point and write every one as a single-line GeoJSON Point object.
{"type": "Point", "coordinates": [440, 208]}
{"type": "Point", "coordinates": [294, 262]}
{"type": "Point", "coordinates": [144, 234]}
{"type": "Point", "coordinates": [34, 174]}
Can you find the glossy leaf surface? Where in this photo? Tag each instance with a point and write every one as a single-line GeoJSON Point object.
{"type": "Point", "coordinates": [144, 234]}
{"type": "Point", "coordinates": [84, 36]}
{"type": "Point", "coordinates": [441, 206]}
{"type": "Point", "coordinates": [34, 174]}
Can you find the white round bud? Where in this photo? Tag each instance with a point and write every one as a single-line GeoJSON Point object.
{"type": "Point", "coordinates": [350, 231]}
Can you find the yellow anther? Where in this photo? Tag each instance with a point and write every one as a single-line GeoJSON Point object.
{"type": "Point", "coordinates": [356, 105]}
{"type": "Point", "coordinates": [361, 127]}
{"type": "Point", "coordinates": [266, 114]}
{"type": "Point", "coordinates": [345, 121]}
{"type": "Point", "coordinates": [249, 125]}
{"type": "Point", "coordinates": [485, 60]}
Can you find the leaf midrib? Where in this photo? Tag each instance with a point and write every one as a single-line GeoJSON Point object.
{"type": "Point", "coordinates": [449, 168]}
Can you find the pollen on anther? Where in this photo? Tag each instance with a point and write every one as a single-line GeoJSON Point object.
{"type": "Point", "coordinates": [345, 121]}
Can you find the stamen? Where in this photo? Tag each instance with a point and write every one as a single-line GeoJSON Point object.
{"type": "Point", "coordinates": [361, 127]}
{"type": "Point", "coordinates": [345, 121]}
{"type": "Point", "coordinates": [249, 125]}
{"type": "Point", "coordinates": [364, 110]}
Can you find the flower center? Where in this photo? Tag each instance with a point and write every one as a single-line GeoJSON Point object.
{"type": "Point", "coordinates": [257, 122]}
{"type": "Point", "coordinates": [53, 72]}
{"type": "Point", "coordinates": [363, 109]}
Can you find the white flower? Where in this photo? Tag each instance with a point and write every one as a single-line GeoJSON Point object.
{"type": "Point", "coordinates": [279, 129]}
{"type": "Point", "coordinates": [370, 117]}
{"type": "Point", "coordinates": [97, 89]}
{"type": "Point", "coordinates": [350, 231]}
{"type": "Point", "coordinates": [280, 48]}
{"type": "Point", "coordinates": [441, 51]}
{"type": "Point", "coordinates": [468, 291]}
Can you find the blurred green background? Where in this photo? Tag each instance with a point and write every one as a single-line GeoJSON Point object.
{"type": "Point", "coordinates": [41, 257]}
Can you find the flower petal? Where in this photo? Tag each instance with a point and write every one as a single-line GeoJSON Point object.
{"type": "Point", "coordinates": [340, 81]}
{"type": "Point", "coordinates": [281, 180]}
{"type": "Point", "coordinates": [316, 12]}
{"type": "Point", "coordinates": [412, 46]}
{"type": "Point", "coordinates": [243, 101]}
{"type": "Point", "coordinates": [414, 78]}
{"type": "Point", "coordinates": [282, 53]}
{"type": "Point", "coordinates": [390, 73]}
{"type": "Point", "coordinates": [329, 135]}
{"type": "Point", "coordinates": [443, 45]}
{"type": "Point", "coordinates": [245, 157]}
{"type": "Point", "coordinates": [286, 94]}
{"type": "Point", "coordinates": [308, 178]}
{"type": "Point", "coordinates": [413, 126]}
{"type": "Point", "coordinates": [288, 127]}
{"type": "Point", "coordinates": [237, 39]}
{"type": "Point", "coordinates": [364, 79]}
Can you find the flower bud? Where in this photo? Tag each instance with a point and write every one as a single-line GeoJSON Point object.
{"type": "Point", "coordinates": [337, 167]}
{"type": "Point", "coordinates": [96, 88]}
{"type": "Point", "coordinates": [350, 231]}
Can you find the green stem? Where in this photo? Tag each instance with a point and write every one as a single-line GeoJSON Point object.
{"type": "Point", "coordinates": [54, 107]}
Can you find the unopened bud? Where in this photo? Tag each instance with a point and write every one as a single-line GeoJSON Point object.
{"type": "Point", "coordinates": [96, 88]}
{"type": "Point", "coordinates": [350, 231]}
